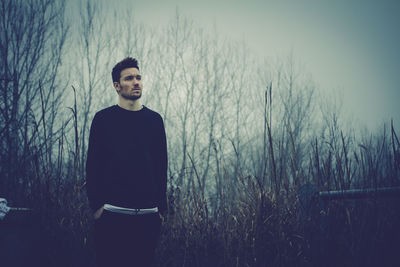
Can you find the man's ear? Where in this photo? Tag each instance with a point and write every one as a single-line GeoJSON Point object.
{"type": "Point", "coordinates": [116, 86]}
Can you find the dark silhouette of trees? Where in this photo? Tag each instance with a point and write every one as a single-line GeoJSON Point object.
{"type": "Point", "coordinates": [243, 137]}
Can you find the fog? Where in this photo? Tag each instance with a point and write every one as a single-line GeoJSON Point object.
{"type": "Point", "coordinates": [263, 103]}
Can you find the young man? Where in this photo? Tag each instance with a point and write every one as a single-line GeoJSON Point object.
{"type": "Point", "coordinates": [126, 172]}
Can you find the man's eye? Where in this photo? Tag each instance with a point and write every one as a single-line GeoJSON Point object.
{"type": "Point", "coordinates": [138, 77]}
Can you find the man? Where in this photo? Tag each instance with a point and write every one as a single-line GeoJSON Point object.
{"type": "Point", "coordinates": [126, 172]}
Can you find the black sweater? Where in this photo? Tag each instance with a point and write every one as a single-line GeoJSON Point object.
{"type": "Point", "coordinates": [127, 159]}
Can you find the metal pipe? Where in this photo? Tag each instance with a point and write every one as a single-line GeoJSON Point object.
{"type": "Point", "coordinates": [361, 193]}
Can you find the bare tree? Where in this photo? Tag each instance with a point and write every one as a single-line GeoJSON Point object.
{"type": "Point", "coordinates": [33, 35]}
{"type": "Point", "coordinates": [94, 88]}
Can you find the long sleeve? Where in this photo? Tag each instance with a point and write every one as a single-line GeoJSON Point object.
{"type": "Point", "coordinates": [127, 159]}
{"type": "Point", "coordinates": [94, 181]}
{"type": "Point", "coordinates": [162, 167]}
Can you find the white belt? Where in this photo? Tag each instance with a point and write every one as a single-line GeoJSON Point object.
{"type": "Point", "coordinates": [129, 211]}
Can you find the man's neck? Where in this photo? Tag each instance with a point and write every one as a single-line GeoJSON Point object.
{"type": "Point", "coordinates": [132, 105]}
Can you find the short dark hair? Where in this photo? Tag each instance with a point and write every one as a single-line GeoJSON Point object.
{"type": "Point", "coordinates": [120, 66]}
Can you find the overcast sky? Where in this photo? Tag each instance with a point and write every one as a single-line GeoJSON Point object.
{"type": "Point", "coordinates": [351, 47]}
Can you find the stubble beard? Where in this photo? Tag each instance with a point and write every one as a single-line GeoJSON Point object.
{"type": "Point", "coordinates": [132, 97]}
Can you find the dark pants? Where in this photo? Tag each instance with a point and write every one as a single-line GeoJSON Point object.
{"type": "Point", "coordinates": [126, 240]}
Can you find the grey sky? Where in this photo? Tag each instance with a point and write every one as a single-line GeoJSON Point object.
{"type": "Point", "coordinates": [348, 46]}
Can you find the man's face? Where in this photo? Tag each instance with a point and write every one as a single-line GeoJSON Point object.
{"type": "Point", "coordinates": [130, 84]}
